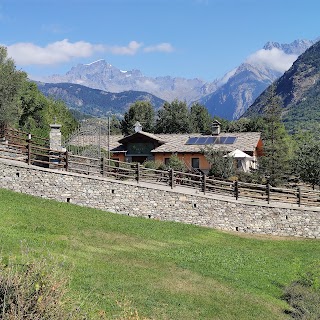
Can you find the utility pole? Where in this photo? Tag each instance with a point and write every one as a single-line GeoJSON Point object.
{"type": "Point", "coordinates": [109, 140]}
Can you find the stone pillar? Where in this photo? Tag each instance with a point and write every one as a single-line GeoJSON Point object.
{"type": "Point", "coordinates": [55, 145]}
{"type": "Point", "coordinates": [55, 137]}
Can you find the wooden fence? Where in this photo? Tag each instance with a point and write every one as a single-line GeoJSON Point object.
{"type": "Point", "coordinates": [34, 150]}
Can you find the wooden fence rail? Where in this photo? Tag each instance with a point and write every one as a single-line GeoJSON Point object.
{"type": "Point", "coordinates": [14, 147]}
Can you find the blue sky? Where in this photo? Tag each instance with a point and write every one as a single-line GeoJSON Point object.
{"type": "Point", "coordinates": [186, 38]}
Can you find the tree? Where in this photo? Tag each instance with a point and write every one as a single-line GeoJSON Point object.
{"type": "Point", "coordinates": [11, 83]}
{"type": "Point", "coordinates": [115, 125]}
{"type": "Point", "coordinates": [176, 163]}
{"type": "Point", "coordinates": [173, 117]}
{"type": "Point", "coordinates": [274, 164]}
{"type": "Point", "coordinates": [23, 105]}
{"type": "Point", "coordinates": [221, 165]}
{"type": "Point", "coordinates": [246, 125]}
{"type": "Point", "coordinates": [306, 162]}
{"type": "Point", "coordinates": [141, 111]}
{"type": "Point", "coordinates": [200, 119]}
{"type": "Point", "coordinates": [38, 112]}
{"type": "Point", "coordinates": [32, 103]}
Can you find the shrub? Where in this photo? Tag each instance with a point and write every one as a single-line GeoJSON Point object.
{"type": "Point", "coordinates": [34, 291]}
{"type": "Point", "coordinates": [150, 164]}
{"type": "Point", "coordinates": [154, 165]}
{"type": "Point", "coordinates": [176, 163]}
{"type": "Point", "coordinates": [303, 295]}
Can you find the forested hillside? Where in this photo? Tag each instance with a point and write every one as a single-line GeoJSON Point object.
{"type": "Point", "coordinates": [299, 92]}
{"type": "Point", "coordinates": [23, 105]}
{"type": "Point", "coordinates": [95, 102]}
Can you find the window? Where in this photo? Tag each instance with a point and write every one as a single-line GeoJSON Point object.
{"type": "Point", "coordinates": [239, 164]}
{"type": "Point", "coordinates": [166, 161]}
{"type": "Point", "coordinates": [195, 163]}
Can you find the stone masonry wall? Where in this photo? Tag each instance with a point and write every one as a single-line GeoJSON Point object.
{"type": "Point", "coordinates": [179, 204]}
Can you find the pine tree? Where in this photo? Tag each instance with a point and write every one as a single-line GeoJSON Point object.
{"type": "Point", "coordinates": [274, 164]}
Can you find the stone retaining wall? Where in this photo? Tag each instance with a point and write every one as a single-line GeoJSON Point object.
{"type": "Point", "coordinates": [160, 202]}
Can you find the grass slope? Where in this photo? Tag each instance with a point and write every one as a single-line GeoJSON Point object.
{"type": "Point", "coordinates": [165, 270]}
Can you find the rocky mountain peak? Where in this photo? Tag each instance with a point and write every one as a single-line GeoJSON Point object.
{"type": "Point", "coordinates": [297, 47]}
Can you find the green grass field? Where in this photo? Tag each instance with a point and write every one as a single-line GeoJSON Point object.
{"type": "Point", "coordinates": [164, 270]}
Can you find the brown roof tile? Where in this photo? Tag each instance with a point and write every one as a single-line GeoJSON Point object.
{"type": "Point", "coordinates": [245, 141]}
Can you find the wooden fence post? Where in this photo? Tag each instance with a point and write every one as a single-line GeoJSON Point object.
{"type": "Point", "coordinates": [29, 149]}
{"type": "Point", "coordinates": [138, 172]}
{"type": "Point", "coordinates": [204, 183]}
{"type": "Point", "coordinates": [299, 196]}
{"type": "Point", "coordinates": [66, 157]}
{"type": "Point", "coordinates": [236, 189]}
{"type": "Point", "coordinates": [268, 190]}
{"type": "Point", "coordinates": [103, 166]}
{"type": "Point", "coordinates": [172, 178]}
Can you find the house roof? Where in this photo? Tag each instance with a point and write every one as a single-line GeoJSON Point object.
{"type": "Point", "coordinates": [238, 154]}
{"type": "Point", "coordinates": [245, 141]}
{"type": "Point", "coordinates": [141, 134]}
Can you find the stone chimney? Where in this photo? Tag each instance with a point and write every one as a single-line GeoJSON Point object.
{"type": "Point", "coordinates": [137, 127]}
{"type": "Point", "coordinates": [216, 127]}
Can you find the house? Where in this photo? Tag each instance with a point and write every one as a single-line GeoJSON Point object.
{"type": "Point", "coordinates": [140, 146]}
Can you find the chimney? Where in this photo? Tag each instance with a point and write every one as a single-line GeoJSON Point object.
{"type": "Point", "coordinates": [216, 127]}
{"type": "Point", "coordinates": [137, 127]}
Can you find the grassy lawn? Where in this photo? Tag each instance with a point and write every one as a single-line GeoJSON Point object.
{"type": "Point", "coordinates": [164, 270]}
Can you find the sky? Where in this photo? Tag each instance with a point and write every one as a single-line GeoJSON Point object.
{"type": "Point", "coordinates": [202, 39]}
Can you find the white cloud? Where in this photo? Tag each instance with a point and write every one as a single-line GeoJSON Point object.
{"type": "Point", "coordinates": [161, 47]}
{"type": "Point", "coordinates": [25, 53]}
{"type": "Point", "coordinates": [274, 59]}
{"type": "Point", "coordinates": [57, 52]}
{"type": "Point", "coordinates": [131, 49]}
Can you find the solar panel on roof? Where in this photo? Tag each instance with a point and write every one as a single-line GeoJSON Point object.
{"type": "Point", "coordinates": [210, 140]}
{"type": "Point", "coordinates": [220, 140]}
{"type": "Point", "coordinates": [202, 140]}
{"type": "Point", "coordinates": [230, 140]}
{"type": "Point", "coordinates": [192, 140]}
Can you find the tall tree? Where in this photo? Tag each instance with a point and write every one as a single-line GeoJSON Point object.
{"type": "Point", "coordinates": [38, 112]}
{"type": "Point", "coordinates": [141, 111]}
{"type": "Point", "coordinates": [306, 159]}
{"type": "Point", "coordinates": [200, 119]}
{"type": "Point", "coordinates": [221, 166]}
{"type": "Point", "coordinates": [11, 83]}
{"type": "Point", "coordinates": [173, 117]}
{"type": "Point", "coordinates": [274, 164]}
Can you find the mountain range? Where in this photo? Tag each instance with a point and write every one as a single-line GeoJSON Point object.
{"type": "Point", "coordinates": [228, 97]}
{"type": "Point", "coordinates": [95, 102]}
{"type": "Point", "coordinates": [299, 91]}
{"type": "Point", "coordinates": [103, 76]}
{"type": "Point", "coordinates": [251, 78]}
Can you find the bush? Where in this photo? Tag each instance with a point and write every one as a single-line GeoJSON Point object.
{"type": "Point", "coordinates": [38, 289]}
{"type": "Point", "coordinates": [177, 164]}
{"type": "Point", "coordinates": [303, 295]}
{"type": "Point", "coordinates": [157, 165]}
{"type": "Point", "coordinates": [34, 291]}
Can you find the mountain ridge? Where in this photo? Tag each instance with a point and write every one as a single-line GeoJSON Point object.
{"type": "Point", "coordinates": [95, 102]}
{"type": "Point", "coordinates": [298, 90]}
{"type": "Point", "coordinates": [228, 97]}
{"type": "Point", "coordinates": [249, 80]}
